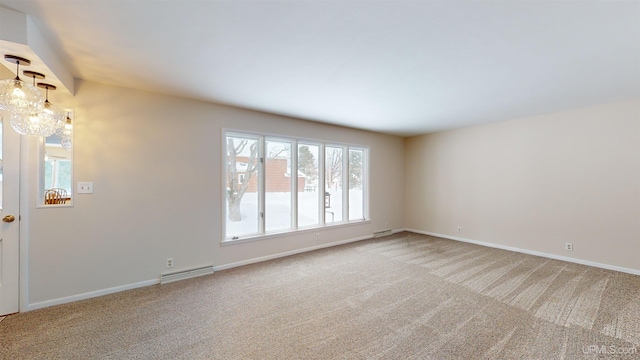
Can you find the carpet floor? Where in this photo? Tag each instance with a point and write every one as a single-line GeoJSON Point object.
{"type": "Point", "coordinates": [405, 296]}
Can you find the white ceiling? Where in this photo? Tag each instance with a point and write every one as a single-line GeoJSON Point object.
{"type": "Point", "coordinates": [391, 66]}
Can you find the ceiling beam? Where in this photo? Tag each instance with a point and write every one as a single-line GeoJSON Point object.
{"type": "Point", "coordinates": [20, 36]}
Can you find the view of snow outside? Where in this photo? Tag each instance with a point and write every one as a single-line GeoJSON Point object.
{"type": "Point", "coordinates": [243, 211]}
{"type": "Point", "coordinates": [308, 211]}
{"type": "Point", "coordinates": [333, 181]}
{"type": "Point", "coordinates": [309, 202]}
{"type": "Point", "coordinates": [356, 179]}
{"type": "Point", "coordinates": [278, 211]}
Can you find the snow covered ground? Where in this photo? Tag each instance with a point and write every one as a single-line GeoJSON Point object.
{"type": "Point", "coordinates": [278, 211]}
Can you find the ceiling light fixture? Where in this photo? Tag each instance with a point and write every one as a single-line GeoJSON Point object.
{"type": "Point", "coordinates": [39, 123]}
{"type": "Point", "coordinates": [16, 96]}
{"type": "Point", "coordinates": [52, 115]}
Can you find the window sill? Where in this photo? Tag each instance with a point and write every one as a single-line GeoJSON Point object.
{"type": "Point", "coordinates": [54, 206]}
{"type": "Point", "coordinates": [252, 238]}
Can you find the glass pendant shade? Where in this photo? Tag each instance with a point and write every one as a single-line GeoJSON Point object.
{"type": "Point", "coordinates": [32, 124]}
{"type": "Point", "coordinates": [18, 96]}
{"type": "Point", "coordinates": [54, 117]}
{"type": "Point", "coordinates": [43, 123]}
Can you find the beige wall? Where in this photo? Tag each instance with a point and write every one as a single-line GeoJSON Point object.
{"type": "Point", "coordinates": [156, 166]}
{"type": "Point", "coordinates": [534, 183]}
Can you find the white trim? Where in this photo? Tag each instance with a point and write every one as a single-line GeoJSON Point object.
{"type": "Point", "coordinates": [322, 185]}
{"type": "Point", "coordinates": [531, 252]}
{"type": "Point", "coordinates": [91, 294]}
{"type": "Point", "coordinates": [116, 289]}
{"type": "Point", "coordinates": [42, 150]}
{"type": "Point", "coordinates": [288, 253]}
{"type": "Point", "coordinates": [25, 184]}
{"type": "Point", "coordinates": [289, 232]}
{"type": "Point", "coordinates": [293, 169]}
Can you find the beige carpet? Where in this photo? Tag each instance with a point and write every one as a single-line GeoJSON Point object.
{"type": "Point", "coordinates": [405, 296]}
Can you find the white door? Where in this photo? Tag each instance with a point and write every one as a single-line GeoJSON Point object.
{"type": "Point", "coordinates": [9, 213]}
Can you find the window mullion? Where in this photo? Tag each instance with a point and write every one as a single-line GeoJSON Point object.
{"type": "Point", "coordinates": [294, 188]}
{"type": "Point", "coordinates": [345, 183]}
{"type": "Point", "coordinates": [322, 185]}
{"type": "Point", "coordinates": [261, 185]}
{"type": "Point", "coordinates": [365, 183]}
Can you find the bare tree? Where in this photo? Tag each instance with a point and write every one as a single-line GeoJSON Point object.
{"type": "Point", "coordinates": [237, 188]}
{"type": "Point", "coordinates": [276, 149]}
{"type": "Point", "coordinates": [333, 166]}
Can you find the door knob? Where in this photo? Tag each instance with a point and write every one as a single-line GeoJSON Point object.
{"type": "Point", "coordinates": [8, 218]}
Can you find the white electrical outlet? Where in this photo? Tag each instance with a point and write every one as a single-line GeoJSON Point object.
{"type": "Point", "coordinates": [317, 237]}
{"type": "Point", "coordinates": [459, 229]}
{"type": "Point", "coordinates": [386, 224]}
{"type": "Point", "coordinates": [169, 262]}
{"type": "Point", "coordinates": [568, 246]}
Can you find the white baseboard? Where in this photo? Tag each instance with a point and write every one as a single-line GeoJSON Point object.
{"type": "Point", "coordinates": [288, 253]}
{"type": "Point", "coordinates": [531, 252]}
{"type": "Point", "coordinates": [116, 289]}
{"type": "Point", "coordinates": [91, 294]}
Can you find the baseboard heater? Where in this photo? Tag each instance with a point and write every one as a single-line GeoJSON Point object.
{"type": "Point", "coordinates": [186, 274]}
{"type": "Point", "coordinates": [382, 233]}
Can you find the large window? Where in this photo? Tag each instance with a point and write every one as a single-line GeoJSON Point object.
{"type": "Point", "coordinates": [275, 184]}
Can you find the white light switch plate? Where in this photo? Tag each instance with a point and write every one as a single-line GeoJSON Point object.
{"type": "Point", "coordinates": [85, 187]}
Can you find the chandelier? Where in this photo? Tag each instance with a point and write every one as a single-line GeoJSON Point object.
{"type": "Point", "coordinates": [31, 114]}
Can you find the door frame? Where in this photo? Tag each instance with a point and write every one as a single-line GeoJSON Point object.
{"type": "Point", "coordinates": [12, 144]}
{"type": "Point", "coordinates": [27, 146]}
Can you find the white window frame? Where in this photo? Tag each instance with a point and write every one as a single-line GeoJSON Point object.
{"type": "Point", "coordinates": [41, 176]}
{"type": "Point", "coordinates": [261, 179]}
